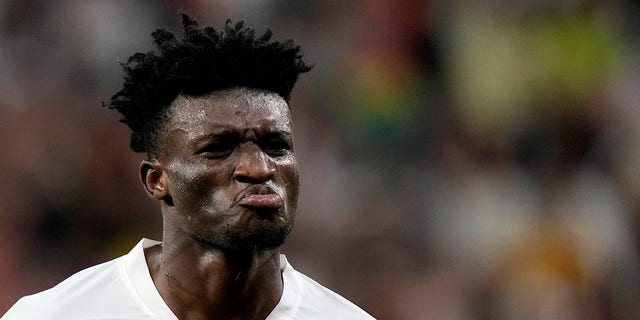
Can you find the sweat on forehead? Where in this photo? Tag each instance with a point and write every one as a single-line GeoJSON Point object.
{"type": "Point", "coordinates": [240, 100]}
{"type": "Point", "coordinates": [238, 109]}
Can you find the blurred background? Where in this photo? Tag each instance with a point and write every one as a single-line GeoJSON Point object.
{"type": "Point", "coordinates": [459, 159]}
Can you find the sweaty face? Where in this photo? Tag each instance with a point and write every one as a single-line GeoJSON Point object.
{"type": "Point", "coordinates": [231, 169]}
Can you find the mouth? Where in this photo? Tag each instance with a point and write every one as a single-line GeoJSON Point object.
{"type": "Point", "coordinates": [260, 197]}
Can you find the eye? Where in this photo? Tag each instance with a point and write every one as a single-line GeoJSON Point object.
{"type": "Point", "coordinates": [217, 150]}
{"type": "Point", "coordinates": [275, 147]}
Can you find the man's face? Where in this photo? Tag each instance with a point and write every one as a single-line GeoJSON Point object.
{"type": "Point", "coordinates": [231, 169]}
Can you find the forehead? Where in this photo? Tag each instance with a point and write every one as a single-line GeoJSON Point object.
{"type": "Point", "coordinates": [230, 109]}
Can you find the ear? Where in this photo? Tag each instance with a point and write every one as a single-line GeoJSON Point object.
{"type": "Point", "coordinates": [155, 180]}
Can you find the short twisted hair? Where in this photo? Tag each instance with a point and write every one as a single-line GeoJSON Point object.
{"type": "Point", "coordinates": [205, 60]}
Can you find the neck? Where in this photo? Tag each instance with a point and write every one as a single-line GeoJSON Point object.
{"type": "Point", "coordinates": [198, 281]}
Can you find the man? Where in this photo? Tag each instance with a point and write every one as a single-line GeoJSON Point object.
{"type": "Point", "coordinates": [211, 112]}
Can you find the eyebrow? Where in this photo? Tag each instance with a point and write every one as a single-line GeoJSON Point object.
{"type": "Point", "coordinates": [226, 133]}
{"type": "Point", "coordinates": [275, 134]}
{"type": "Point", "coordinates": [216, 135]}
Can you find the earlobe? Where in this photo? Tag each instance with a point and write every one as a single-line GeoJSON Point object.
{"type": "Point", "coordinates": [154, 180]}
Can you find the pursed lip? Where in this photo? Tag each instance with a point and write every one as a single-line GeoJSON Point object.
{"type": "Point", "coordinates": [259, 196]}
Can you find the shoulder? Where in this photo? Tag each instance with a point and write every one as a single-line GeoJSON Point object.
{"type": "Point", "coordinates": [318, 302]}
{"type": "Point", "coordinates": [84, 292]}
{"type": "Point", "coordinates": [321, 299]}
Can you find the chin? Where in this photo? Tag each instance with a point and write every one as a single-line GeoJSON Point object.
{"type": "Point", "coordinates": [259, 239]}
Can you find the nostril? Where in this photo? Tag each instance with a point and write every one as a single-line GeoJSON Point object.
{"type": "Point", "coordinates": [254, 174]}
{"type": "Point", "coordinates": [253, 165]}
{"type": "Point", "coordinates": [253, 178]}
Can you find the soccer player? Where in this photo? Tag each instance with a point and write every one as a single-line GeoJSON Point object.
{"type": "Point", "coordinates": [211, 112]}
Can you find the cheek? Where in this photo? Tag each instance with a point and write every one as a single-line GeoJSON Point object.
{"type": "Point", "coordinates": [193, 186]}
{"type": "Point", "coordinates": [291, 179]}
{"type": "Point", "coordinates": [185, 178]}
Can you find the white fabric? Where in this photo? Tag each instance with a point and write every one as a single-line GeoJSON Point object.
{"type": "Point", "coordinates": [123, 289]}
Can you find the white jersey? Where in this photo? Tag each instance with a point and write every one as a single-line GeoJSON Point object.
{"type": "Point", "coordinates": [123, 289]}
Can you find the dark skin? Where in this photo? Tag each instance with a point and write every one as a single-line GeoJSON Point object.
{"type": "Point", "coordinates": [227, 179]}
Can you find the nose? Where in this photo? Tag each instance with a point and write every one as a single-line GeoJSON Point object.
{"type": "Point", "coordinates": [254, 166]}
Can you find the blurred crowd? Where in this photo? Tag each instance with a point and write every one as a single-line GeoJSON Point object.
{"type": "Point", "coordinates": [459, 159]}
